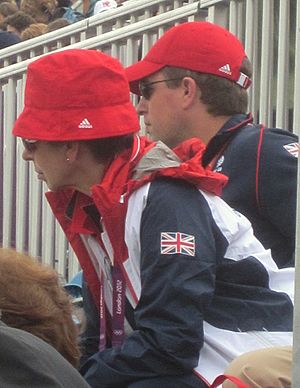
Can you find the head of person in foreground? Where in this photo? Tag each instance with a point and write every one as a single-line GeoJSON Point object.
{"type": "Point", "coordinates": [33, 299]}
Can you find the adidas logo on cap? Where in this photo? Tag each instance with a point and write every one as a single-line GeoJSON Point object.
{"type": "Point", "coordinates": [225, 69]}
{"type": "Point", "coordinates": [85, 124]}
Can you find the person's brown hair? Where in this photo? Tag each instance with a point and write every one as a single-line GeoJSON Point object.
{"type": "Point", "coordinates": [32, 299]}
{"type": "Point", "coordinates": [40, 10]}
{"type": "Point", "coordinates": [7, 8]}
{"type": "Point", "coordinates": [19, 20]}
{"type": "Point", "coordinates": [223, 97]}
{"type": "Point", "coordinates": [56, 24]}
{"type": "Point", "coordinates": [33, 31]}
{"type": "Point", "coordinates": [105, 149]}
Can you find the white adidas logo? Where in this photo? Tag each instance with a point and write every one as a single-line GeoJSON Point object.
{"type": "Point", "coordinates": [85, 124]}
{"type": "Point", "coordinates": [225, 69]}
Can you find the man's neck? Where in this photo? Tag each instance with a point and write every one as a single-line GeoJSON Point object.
{"type": "Point", "coordinates": [206, 126]}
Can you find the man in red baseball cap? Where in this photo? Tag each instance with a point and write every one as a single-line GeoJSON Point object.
{"type": "Point", "coordinates": [167, 264]}
{"type": "Point", "coordinates": [193, 83]}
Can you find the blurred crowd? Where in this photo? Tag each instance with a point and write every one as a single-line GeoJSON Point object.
{"type": "Point", "coordinates": [25, 19]}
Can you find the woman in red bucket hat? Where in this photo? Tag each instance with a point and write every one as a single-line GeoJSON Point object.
{"type": "Point", "coordinates": [175, 284]}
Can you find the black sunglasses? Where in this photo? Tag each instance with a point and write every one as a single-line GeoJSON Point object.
{"type": "Point", "coordinates": [147, 89]}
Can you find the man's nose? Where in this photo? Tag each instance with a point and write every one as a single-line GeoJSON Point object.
{"type": "Point", "coordinates": [142, 106]}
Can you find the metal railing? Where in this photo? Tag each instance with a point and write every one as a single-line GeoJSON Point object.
{"type": "Point", "coordinates": [130, 12]}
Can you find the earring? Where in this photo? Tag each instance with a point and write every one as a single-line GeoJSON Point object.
{"type": "Point", "coordinates": [68, 159]}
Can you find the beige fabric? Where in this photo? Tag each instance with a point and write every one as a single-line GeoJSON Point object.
{"type": "Point", "coordinates": [264, 368]}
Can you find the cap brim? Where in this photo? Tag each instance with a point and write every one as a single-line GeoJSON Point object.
{"type": "Point", "coordinates": [142, 69]}
{"type": "Point", "coordinates": [64, 125]}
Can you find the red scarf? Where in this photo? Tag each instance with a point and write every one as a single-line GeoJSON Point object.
{"type": "Point", "coordinates": [118, 184]}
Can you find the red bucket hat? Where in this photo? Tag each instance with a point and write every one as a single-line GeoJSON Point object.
{"type": "Point", "coordinates": [76, 95]}
{"type": "Point", "coordinates": [198, 46]}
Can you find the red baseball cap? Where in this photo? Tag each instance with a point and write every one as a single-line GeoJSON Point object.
{"type": "Point", "coordinates": [198, 46]}
{"type": "Point", "coordinates": [76, 94]}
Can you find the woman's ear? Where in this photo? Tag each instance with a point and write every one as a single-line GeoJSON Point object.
{"type": "Point", "coordinates": [72, 150]}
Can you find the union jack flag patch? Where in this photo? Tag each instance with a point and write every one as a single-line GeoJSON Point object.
{"type": "Point", "coordinates": [292, 148]}
{"type": "Point", "coordinates": [172, 243]}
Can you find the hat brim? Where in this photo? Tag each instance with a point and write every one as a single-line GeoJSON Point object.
{"type": "Point", "coordinates": [142, 69]}
{"type": "Point", "coordinates": [63, 125]}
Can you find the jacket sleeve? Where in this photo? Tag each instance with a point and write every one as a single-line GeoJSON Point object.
{"type": "Point", "coordinates": [261, 164]}
{"type": "Point", "coordinates": [177, 285]}
{"type": "Point", "coordinates": [277, 180]}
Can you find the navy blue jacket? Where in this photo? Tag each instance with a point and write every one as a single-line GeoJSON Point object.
{"type": "Point", "coordinates": [261, 164]}
{"type": "Point", "coordinates": [220, 294]}
{"type": "Point", "coordinates": [200, 288]}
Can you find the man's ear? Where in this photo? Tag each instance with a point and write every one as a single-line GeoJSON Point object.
{"type": "Point", "coordinates": [190, 92]}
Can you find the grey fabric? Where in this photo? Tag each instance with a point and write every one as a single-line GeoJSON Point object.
{"type": "Point", "coordinates": [159, 156]}
{"type": "Point", "coordinates": [26, 361]}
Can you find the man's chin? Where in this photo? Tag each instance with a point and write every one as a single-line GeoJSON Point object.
{"type": "Point", "coordinates": [151, 136]}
